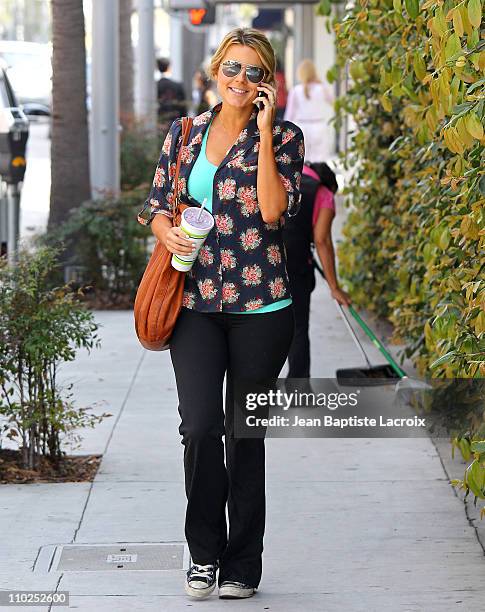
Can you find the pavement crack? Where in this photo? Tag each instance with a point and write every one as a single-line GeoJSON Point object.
{"type": "Point", "coordinates": [56, 591]}
{"type": "Point", "coordinates": [123, 404]}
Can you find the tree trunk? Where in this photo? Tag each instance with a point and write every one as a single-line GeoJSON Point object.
{"type": "Point", "coordinates": [70, 142]}
{"type": "Point", "coordinates": [126, 64]}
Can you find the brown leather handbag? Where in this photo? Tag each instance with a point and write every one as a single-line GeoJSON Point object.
{"type": "Point", "coordinates": [159, 296]}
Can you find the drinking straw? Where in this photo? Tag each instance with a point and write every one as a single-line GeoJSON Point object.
{"type": "Point", "coordinates": [201, 208]}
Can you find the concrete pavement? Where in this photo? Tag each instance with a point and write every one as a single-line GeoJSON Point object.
{"type": "Point", "coordinates": [352, 524]}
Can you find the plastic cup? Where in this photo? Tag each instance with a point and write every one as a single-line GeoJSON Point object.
{"type": "Point", "coordinates": [196, 230]}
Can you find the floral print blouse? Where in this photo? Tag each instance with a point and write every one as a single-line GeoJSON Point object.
{"type": "Point", "coordinates": [241, 266]}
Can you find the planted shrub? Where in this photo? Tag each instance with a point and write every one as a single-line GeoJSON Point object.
{"type": "Point", "coordinates": [414, 247]}
{"type": "Point", "coordinates": [139, 150]}
{"type": "Point", "coordinates": [109, 247]}
{"type": "Point", "coordinates": [415, 236]}
{"type": "Point", "coordinates": [40, 329]}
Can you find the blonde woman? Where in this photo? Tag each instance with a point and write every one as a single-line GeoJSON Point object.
{"type": "Point", "coordinates": [237, 318]}
{"type": "Point", "coordinates": [306, 107]}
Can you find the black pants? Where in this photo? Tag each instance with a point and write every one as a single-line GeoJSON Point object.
{"type": "Point", "coordinates": [205, 346]}
{"type": "Point", "coordinates": [301, 287]}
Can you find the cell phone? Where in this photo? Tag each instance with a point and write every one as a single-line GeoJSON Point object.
{"type": "Point", "coordinates": [259, 104]}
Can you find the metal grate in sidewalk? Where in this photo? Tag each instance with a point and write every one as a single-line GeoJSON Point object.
{"type": "Point", "coordinates": [113, 557]}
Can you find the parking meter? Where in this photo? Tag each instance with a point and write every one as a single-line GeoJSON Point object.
{"type": "Point", "coordinates": [14, 132]}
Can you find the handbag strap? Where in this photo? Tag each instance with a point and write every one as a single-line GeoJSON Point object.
{"type": "Point", "coordinates": [186, 127]}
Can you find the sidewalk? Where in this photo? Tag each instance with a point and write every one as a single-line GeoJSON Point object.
{"type": "Point", "coordinates": [352, 524]}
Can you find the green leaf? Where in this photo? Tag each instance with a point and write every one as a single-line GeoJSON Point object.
{"type": "Point", "coordinates": [395, 75]}
{"type": "Point", "coordinates": [461, 109]}
{"type": "Point", "coordinates": [444, 240]}
{"type": "Point", "coordinates": [356, 70]}
{"type": "Point", "coordinates": [419, 66]}
{"type": "Point", "coordinates": [464, 446]}
{"type": "Point", "coordinates": [324, 8]}
{"type": "Point", "coordinates": [474, 126]}
{"type": "Point", "coordinates": [475, 13]}
{"type": "Point", "coordinates": [440, 22]}
{"type": "Point", "coordinates": [412, 7]}
{"type": "Point", "coordinates": [397, 5]}
{"type": "Point", "coordinates": [473, 39]}
{"type": "Point", "coordinates": [443, 359]}
{"type": "Point", "coordinates": [480, 323]}
{"type": "Point", "coordinates": [386, 103]}
{"type": "Point", "coordinates": [475, 479]}
{"type": "Point", "coordinates": [332, 74]}
{"type": "Point", "coordinates": [476, 85]}
{"type": "Point", "coordinates": [453, 46]}
{"type": "Point", "coordinates": [457, 22]}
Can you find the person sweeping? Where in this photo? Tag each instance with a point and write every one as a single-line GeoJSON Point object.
{"type": "Point", "coordinates": [311, 226]}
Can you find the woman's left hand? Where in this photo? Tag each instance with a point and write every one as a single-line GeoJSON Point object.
{"type": "Point", "coordinates": [266, 116]}
{"type": "Point", "coordinates": [341, 296]}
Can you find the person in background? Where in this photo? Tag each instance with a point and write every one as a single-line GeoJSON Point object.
{"type": "Point", "coordinates": [306, 108]}
{"type": "Point", "coordinates": [203, 98]}
{"type": "Point", "coordinates": [170, 95]}
{"type": "Point", "coordinates": [281, 91]}
{"type": "Point", "coordinates": [312, 224]}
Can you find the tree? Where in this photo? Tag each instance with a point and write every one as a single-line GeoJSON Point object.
{"type": "Point", "coordinates": [70, 141]}
{"type": "Point", "coordinates": [126, 64]}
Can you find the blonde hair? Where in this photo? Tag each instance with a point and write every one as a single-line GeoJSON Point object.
{"type": "Point", "coordinates": [306, 74]}
{"type": "Point", "coordinates": [248, 37]}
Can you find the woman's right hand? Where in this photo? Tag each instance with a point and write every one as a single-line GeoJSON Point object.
{"type": "Point", "coordinates": [177, 242]}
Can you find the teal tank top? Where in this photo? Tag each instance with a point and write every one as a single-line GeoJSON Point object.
{"type": "Point", "coordinates": [200, 186]}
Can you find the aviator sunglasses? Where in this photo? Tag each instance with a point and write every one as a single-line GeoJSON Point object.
{"type": "Point", "coordinates": [231, 68]}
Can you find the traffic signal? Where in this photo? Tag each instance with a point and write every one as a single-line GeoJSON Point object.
{"type": "Point", "coordinates": [202, 16]}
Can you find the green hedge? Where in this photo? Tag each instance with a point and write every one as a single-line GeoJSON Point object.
{"type": "Point", "coordinates": [414, 240]}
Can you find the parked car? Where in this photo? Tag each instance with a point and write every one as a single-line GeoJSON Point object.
{"type": "Point", "coordinates": [29, 70]}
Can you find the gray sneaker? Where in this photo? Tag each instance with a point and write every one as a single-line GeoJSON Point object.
{"type": "Point", "coordinates": [200, 580]}
{"type": "Point", "coordinates": [230, 589]}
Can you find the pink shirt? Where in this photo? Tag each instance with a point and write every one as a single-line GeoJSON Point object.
{"type": "Point", "coordinates": [324, 197]}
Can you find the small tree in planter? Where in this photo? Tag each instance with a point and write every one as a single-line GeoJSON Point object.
{"type": "Point", "coordinates": [40, 328]}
